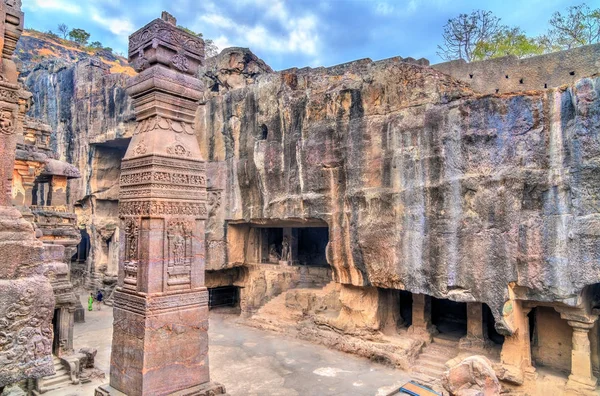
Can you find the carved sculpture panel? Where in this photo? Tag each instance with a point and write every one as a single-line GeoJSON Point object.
{"type": "Point", "coordinates": [180, 253]}
{"type": "Point", "coordinates": [130, 268]}
{"type": "Point", "coordinates": [7, 126]}
{"type": "Point", "coordinates": [25, 328]}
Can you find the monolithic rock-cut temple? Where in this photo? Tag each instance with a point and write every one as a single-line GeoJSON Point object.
{"type": "Point", "coordinates": [440, 219]}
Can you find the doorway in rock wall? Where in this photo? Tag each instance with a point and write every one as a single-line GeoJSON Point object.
{"type": "Point", "coordinates": [551, 339]}
{"type": "Point", "coordinates": [312, 242]}
{"type": "Point", "coordinates": [490, 325]}
{"type": "Point", "coordinates": [55, 329]}
{"type": "Point", "coordinates": [450, 317]}
{"type": "Point", "coordinates": [271, 240]}
{"type": "Point", "coordinates": [225, 296]}
{"type": "Point", "coordinates": [83, 249]}
{"type": "Point", "coordinates": [406, 307]}
{"type": "Point", "coordinates": [304, 245]}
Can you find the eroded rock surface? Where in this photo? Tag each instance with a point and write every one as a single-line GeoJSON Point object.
{"type": "Point", "coordinates": [474, 376]}
{"type": "Point", "coordinates": [92, 123]}
{"type": "Point", "coordinates": [425, 185]}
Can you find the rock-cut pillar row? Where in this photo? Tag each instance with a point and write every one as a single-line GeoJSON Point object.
{"type": "Point", "coordinates": [160, 339]}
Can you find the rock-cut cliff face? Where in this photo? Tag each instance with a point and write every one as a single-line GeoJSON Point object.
{"type": "Point", "coordinates": [92, 121]}
{"type": "Point", "coordinates": [425, 185]}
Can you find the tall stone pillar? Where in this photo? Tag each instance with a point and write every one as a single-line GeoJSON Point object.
{"type": "Point", "coordinates": [421, 317]}
{"type": "Point", "coordinates": [26, 298]}
{"type": "Point", "coordinates": [581, 359]}
{"type": "Point", "coordinates": [516, 349]}
{"type": "Point", "coordinates": [476, 331]}
{"type": "Point", "coordinates": [160, 339]}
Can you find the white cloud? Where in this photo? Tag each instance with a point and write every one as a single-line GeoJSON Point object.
{"type": "Point", "coordinates": [117, 26]}
{"type": "Point", "coordinates": [301, 34]}
{"type": "Point", "coordinates": [222, 42]}
{"type": "Point", "coordinates": [384, 8]}
{"type": "Point", "coordinates": [54, 5]}
{"type": "Point", "coordinates": [219, 21]}
{"type": "Point", "coordinates": [412, 6]}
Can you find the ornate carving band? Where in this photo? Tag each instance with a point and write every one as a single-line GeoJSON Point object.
{"type": "Point", "coordinates": [163, 208]}
{"type": "Point", "coordinates": [163, 191]}
{"type": "Point", "coordinates": [164, 177]}
{"type": "Point", "coordinates": [153, 161]}
{"type": "Point", "coordinates": [159, 31]}
{"type": "Point", "coordinates": [160, 304]}
{"type": "Point", "coordinates": [8, 94]}
{"type": "Point", "coordinates": [158, 122]}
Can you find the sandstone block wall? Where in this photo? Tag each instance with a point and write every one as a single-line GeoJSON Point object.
{"type": "Point", "coordinates": [511, 74]}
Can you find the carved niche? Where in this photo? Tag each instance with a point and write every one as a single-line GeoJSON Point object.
{"type": "Point", "coordinates": [7, 126]}
{"type": "Point", "coordinates": [132, 231]}
{"type": "Point", "coordinates": [180, 253]}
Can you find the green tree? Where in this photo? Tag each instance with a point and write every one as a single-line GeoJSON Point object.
{"type": "Point", "coordinates": [579, 26]}
{"type": "Point", "coordinates": [96, 44]}
{"type": "Point", "coordinates": [80, 36]}
{"type": "Point", "coordinates": [463, 33]}
{"type": "Point", "coordinates": [509, 41]}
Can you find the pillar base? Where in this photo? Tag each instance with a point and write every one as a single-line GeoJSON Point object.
{"type": "Point", "coordinates": [582, 383]}
{"type": "Point", "coordinates": [425, 333]}
{"type": "Point", "coordinates": [473, 343]}
{"type": "Point", "coordinates": [207, 389]}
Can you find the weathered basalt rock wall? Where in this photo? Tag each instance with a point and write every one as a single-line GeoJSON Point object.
{"type": "Point", "coordinates": [425, 185]}
{"type": "Point", "coordinates": [92, 122]}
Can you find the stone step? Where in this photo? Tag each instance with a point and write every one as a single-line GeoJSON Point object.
{"type": "Point", "coordinates": [51, 381]}
{"type": "Point", "coordinates": [443, 346]}
{"type": "Point", "coordinates": [443, 341]}
{"type": "Point", "coordinates": [433, 373]}
{"type": "Point", "coordinates": [432, 364]}
{"type": "Point", "coordinates": [57, 373]}
{"type": "Point", "coordinates": [422, 378]}
{"type": "Point", "coordinates": [435, 357]}
{"type": "Point", "coordinates": [47, 388]}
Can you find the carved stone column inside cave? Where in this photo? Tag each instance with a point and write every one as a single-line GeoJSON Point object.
{"type": "Point", "coordinates": [581, 357]}
{"type": "Point", "coordinates": [160, 340]}
{"type": "Point", "coordinates": [421, 317]}
{"type": "Point", "coordinates": [476, 331]}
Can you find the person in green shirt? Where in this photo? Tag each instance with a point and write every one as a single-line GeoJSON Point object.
{"type": "Point", "coordinates": [91, 302]}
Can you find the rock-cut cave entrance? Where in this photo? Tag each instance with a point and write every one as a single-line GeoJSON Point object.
{"type": "Point", "coordinates": [450, 317]}
{"type": "Point", "coordinates": [224, 296]}
{"type": "Point", "coordinates": [294, 245]}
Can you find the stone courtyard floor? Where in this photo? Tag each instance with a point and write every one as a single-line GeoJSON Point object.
{"type": "Point", "coordinates": [249, 361]}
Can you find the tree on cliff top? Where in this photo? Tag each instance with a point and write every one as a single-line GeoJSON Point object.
{"type": "Point", "coordinates": [580, 26]}
{"type": "Point", "coordinates": [463, 33]}
{"type": "Point", "coordinates": [80, 36]}
{"type": "Point", "coordinates": [508, 41]}
{"type": "Point", "coordinates": [64, 30]}
{"type": "Point", "coordinates": [210, 48]}
{"type": "Point", "coordinates": [479, 35]}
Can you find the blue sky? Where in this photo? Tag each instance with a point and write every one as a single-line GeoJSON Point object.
{"type": "Point", "coordinates": [294, 33]}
